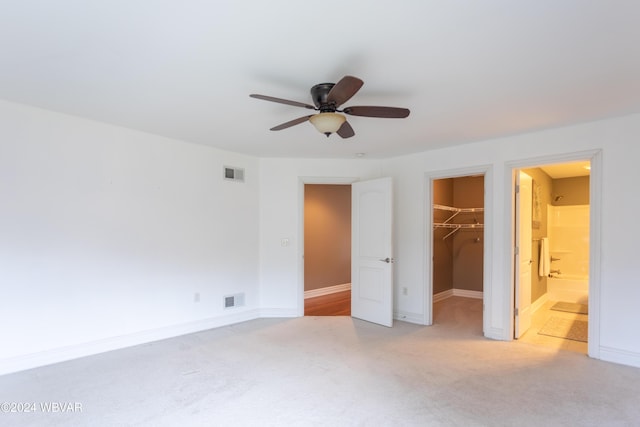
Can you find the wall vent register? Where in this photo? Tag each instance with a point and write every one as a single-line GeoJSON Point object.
{"type": "Point", "coordinates": [233, 174]}
{"type": "Point", "coordinates": [231, 301]}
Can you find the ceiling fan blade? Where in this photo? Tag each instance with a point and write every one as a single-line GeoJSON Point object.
{"type": "Point", "coordinates": [346, 131]}
{"type": "Point", "coordinates": [291, 123]}
{"type": "Point", "coordinates": [384, 112]}
{"type": "Point", "coordinates": [342, 91]}
{"type": "Point", "coordinates": [282, 101]}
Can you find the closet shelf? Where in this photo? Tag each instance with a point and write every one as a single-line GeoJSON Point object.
{"type": "Point", "coordinates": [455, 212]}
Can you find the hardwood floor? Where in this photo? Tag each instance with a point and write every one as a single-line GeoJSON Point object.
{"type": "Point", "coordinates": [337, 304]}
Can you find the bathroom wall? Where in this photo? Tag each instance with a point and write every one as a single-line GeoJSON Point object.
{"type": "Point", "coordinates": [573, 191]}
{"type": "Point", "coordinates": [545, 191]}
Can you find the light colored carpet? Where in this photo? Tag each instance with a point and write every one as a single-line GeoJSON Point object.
{"type": "Point", "coordinates": [333, 371]}
{"type": "Point", "coordinates": [570, 329]}
{"type": "Point", "coordinates": [571, 307]}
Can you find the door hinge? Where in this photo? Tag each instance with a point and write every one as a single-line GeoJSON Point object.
{"type": "Point", "coordinates": [517, 188]}
{"type": "Point", "coordinates": [516, 311]}
{"type": "Point", "coordinates": [517, 250]}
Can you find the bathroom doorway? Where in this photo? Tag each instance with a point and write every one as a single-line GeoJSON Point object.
{"type": "Point", "coordinates": [552, 236]}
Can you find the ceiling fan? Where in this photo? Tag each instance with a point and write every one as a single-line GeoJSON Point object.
{"type": "Point", "coordinates": [327, 97]}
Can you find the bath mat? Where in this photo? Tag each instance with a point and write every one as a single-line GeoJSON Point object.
{"type": "Point", "coordinates": [570, 329]}
{"type": "Point", "coordinates": [571, 307]}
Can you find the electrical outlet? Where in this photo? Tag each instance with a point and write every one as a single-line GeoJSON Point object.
{"type": "Point", "coordinates": [196, 297]}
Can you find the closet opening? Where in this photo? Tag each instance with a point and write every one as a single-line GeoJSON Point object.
{"type": "Point", "coordinates": [458, 251]}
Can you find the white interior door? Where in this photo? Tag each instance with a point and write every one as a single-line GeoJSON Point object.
{"type": "Point", "coordinates": [523, 260]}
{"type": "Point", "coordinates": [371, 251]}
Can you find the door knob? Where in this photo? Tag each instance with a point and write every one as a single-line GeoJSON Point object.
{"type": "Point", "coordinates": [387, 260]}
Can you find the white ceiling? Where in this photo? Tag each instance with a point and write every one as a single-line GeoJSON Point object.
{"type": "Point", "coordinates": [567, 170]}
{"type": "Point", "coordinates": [467, 70]}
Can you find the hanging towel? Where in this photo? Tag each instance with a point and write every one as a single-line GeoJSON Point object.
{"type": "Point", "coordinates": [544, 264]}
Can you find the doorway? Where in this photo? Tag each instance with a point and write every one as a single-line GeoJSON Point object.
{"type": "Point", "coordinates": [371, 247]}
{"type": "Point", "coordinates": [554, 208]}
{"type": "Point", "coordinates": [458, 249]}
{"type": "Point", "coordinates": [327, 249]}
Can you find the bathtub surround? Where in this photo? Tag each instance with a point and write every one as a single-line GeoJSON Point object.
{"type": "Point", "coordinates": [569, 239]}
{"type": "Point", "coordinates": [574, 289]}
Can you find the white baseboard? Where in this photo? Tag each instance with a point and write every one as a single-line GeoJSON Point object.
{"type": "Point", "coordinates": [326, 291]}
{"type": "Point", "coordinates": [457, 293]}
{"type": "Point", "coordinates": [535, 306]}
{"type": "Point", "coordinates": [409, 317]}
{"type": "Point", "coordinates": [468, 294]}
{"type": "Point", "coordinates": [278, 312]}
{"type": "Point", "coordinates": [622, 357]}
{"type": "Point", "coordinates": [62, 354]}
{"type": "Point", "coordinates": [442, 295]}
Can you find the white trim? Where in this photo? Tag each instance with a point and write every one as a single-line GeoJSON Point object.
{"type": "Point", "coordinates": [537, 304]}
{"type": "Point", "coordinates": [623, 357]}
{"type": "Point", "coordinates": [442, 295]}
{"type": "Point", "coordinates": [457, 293]}
{"type": "Point", "coordinates": [405, 316]}
{"type": "Point", "coordinates": [63, 354]}
{"type": "Point", "coordinates": [595, 247]}
{"type": "Point", "coordinates": [312, 293]}
{"type": "Point", "coordinates": [278, 312]}
{"type": "Point", "coordinates": [468, 294]}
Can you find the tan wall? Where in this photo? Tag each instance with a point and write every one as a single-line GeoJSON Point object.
{"type": "Point", "coordinates": [468, 247]}
{"type": "Point", "coordinates": [442, 249]}
{"type": "Point", "coordinates": [574, 191]}
{"type": "Point", "coordinates": [545, 184]}
{"type": "Point", "coordinates": [458, 260]}
{"type": "Point", "coordinates": [327, 235]}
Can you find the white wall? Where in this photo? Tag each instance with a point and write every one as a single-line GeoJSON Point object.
{"type": "Point", "coordinates": [281, 182]}
{"type": "Point", "coordinates": [107, 234]}
{"type": "Point", "coordinates": [619, 141]}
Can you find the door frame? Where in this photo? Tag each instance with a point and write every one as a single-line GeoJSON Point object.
{"type": "Point", "coordinates": [302, 180]}
{"type": "Point", "coordinates": [487, 255]}
{"type": "Point", "coordinates": [595, 238]}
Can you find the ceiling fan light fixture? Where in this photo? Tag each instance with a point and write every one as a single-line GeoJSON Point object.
{"type": "Point", "coordinates": [327, 123]}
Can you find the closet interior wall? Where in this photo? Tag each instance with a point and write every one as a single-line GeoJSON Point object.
{"type": "Point", "coordinates": [458, 258]}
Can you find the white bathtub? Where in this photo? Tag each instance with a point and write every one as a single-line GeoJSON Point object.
{"type": "Point", "coordinates": [568, 288]}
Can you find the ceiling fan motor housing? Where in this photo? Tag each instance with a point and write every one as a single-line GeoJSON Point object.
{"type": "Point", "coordinates": [319, 94]}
